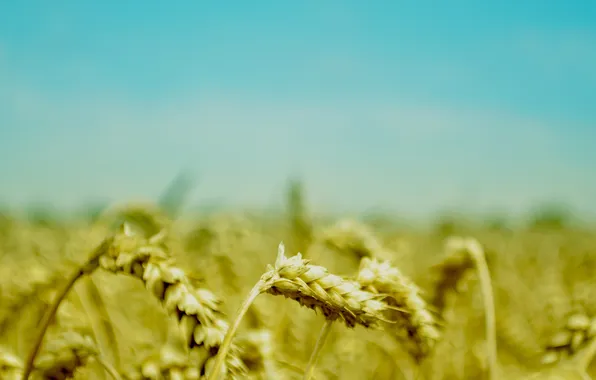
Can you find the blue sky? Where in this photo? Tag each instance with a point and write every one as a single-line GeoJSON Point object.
{"type": "Point", "coordinates": [414, 107]}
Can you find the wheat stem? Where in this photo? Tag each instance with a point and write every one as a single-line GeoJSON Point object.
{"type": "Point", "coordinates": [585, 357]}
{"type": "Point", "coordinates": [479, 258]}
{"type": "Point", "coordinates": [91, 265]}
{"type": "Point", "coordinates": [314, 356]}
{"type": "Point", "coordinates": [99, 319]}
{"type": "Point", "coordinates": [226, 344]}
{"type": "Point", "coordinates": [108, 367]}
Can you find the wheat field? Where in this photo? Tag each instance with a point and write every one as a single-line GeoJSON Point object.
{"type": "Point", "coordinates": [139, 293]}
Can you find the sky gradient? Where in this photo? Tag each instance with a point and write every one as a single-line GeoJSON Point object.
{"type": "Point", "coordinates": [413, 107]}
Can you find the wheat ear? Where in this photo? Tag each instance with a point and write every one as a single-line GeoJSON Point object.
{"type": "Point", "coordinates": [312, 286]}
{"type": "Point", "coordinates": [415, 323]}
{"type": "Point", "coordinates": [456, 263]}
{"type": "Point", "coordinates": [170, 363]}
{"type": "Point", "coordinates": [257, 353]}
{"type": "Point", "coordinates": [67, 352]}
{"type": "Point", "coordinates": [579, 332]}
{"type": "Point", "coordinates": [573, 368]}
{"type": "Point", "coordinates": [197, 310]}
{"type": "Point", "coordinates": [354, 238]}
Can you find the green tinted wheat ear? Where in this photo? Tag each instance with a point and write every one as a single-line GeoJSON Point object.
{"type": "Point", "coordinates": [452, 269]}
{"type": "Point", "coordinates": [11, 366]}
{"type": "Point", "coordinates": [257, 352]}
{"type": "Point", "coordinates": [65, 353]}
{"type": "Point", "coordinates": [197, 310]}
{"type": "Point", "coordinates": [314, 287]}
{"type": "Point", "coordinates": [463, 254]}
{"type": "Point", "coordinates": [572, 368]}
{"type": "Point", "coordinates": [569, 357]}
{"type": "Point", "coordinates": [577, 334]}
{"type": "Point", "coordinates": [352, 237]}
{"type": "Point", "coordinates": [170, 364]}
{"type": "Point", "coordinates": [416, 326]}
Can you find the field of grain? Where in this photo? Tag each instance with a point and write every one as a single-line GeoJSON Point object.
{"type": "Point", "coordinates": [139, 293]}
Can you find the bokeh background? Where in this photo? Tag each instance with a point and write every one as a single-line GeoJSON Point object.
{"type": "Point", "coordinates": [407, 108]}
{"type": "Point", "coordinates": [338, 127]}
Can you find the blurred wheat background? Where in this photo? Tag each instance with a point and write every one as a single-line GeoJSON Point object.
{"type": "Point", "coordinates": [428, 168]}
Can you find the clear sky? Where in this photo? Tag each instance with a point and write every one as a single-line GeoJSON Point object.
{"type": "Point", "coordinates": [412, 106]}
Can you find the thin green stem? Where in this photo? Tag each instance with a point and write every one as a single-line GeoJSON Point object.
{"type": "Point", "coordinates": [226, 345]}
{"type": "Point", "coordinates": [478, 256]}
{"type": "Point", "coordinates": [91, 265]}
{"type": "Point", "coordinates": [108, 367]}
{"type": "Point", "coordinates": [99, 319]}
{"type": "Point", "coordinates": [314, 356]}
{"type": "Point", "coordinates": [585, 356]}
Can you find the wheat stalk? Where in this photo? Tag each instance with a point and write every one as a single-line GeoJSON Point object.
{"type": "Point", "coordinates": [314, 356]}
{"type": "Point", "coordinates": [466, 253]}
{"type": "Point", "coordinates": [99, 319]}
{"type": "Point", "coordinates": [89, 267]}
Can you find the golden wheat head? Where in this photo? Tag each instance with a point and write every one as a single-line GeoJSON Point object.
{"type": "Point", "coordinates": [416, 326]}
